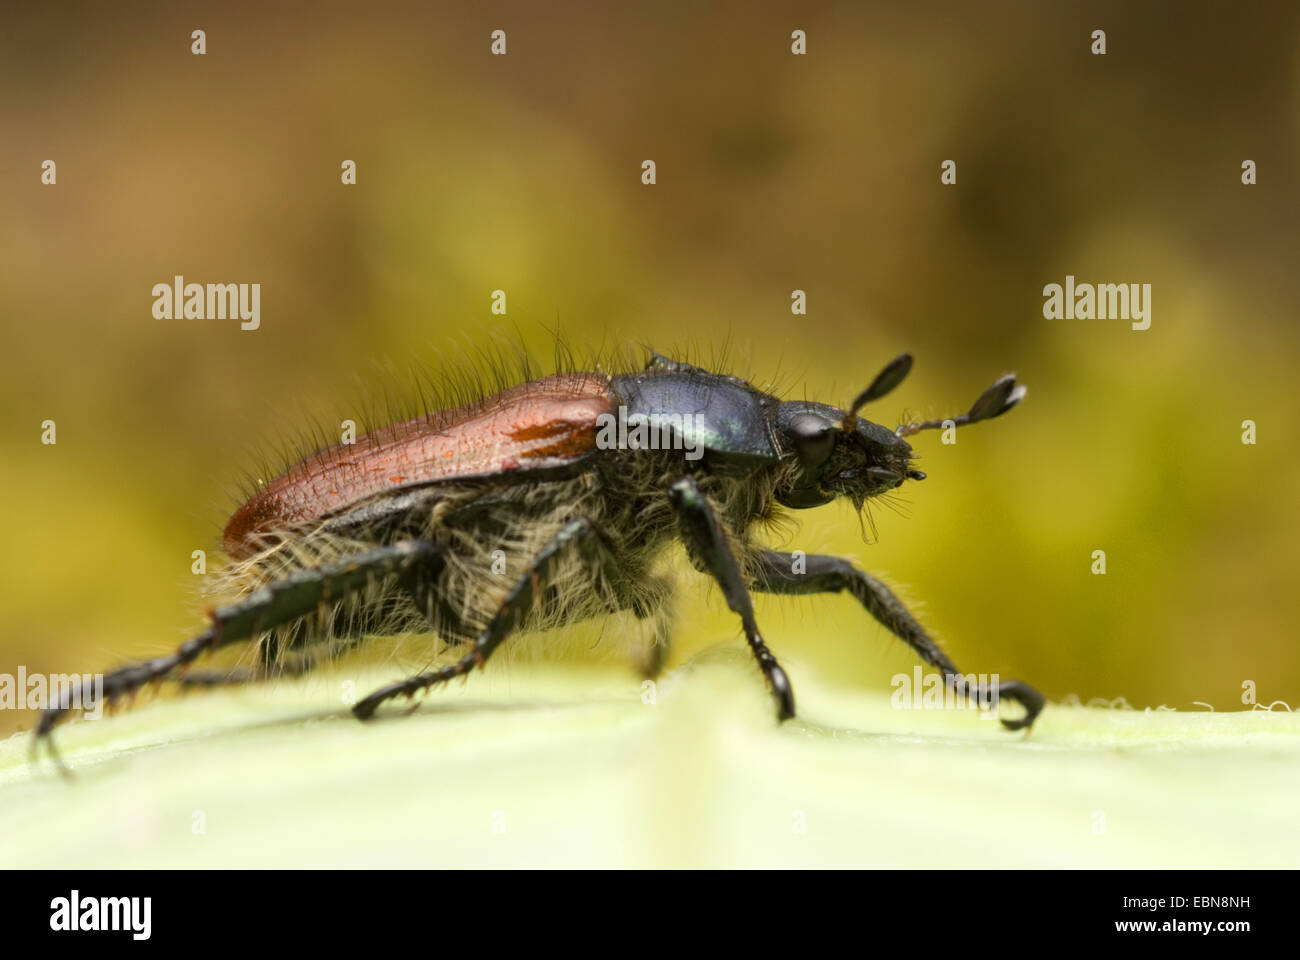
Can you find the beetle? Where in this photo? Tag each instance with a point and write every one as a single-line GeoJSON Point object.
{"type": "Point", "coordinates": [584, 478]}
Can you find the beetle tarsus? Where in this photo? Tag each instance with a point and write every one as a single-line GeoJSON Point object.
{"type": "Point", "coordinates": [1026, 696]}
{"type": "Point", "coordinates": [782, 691]}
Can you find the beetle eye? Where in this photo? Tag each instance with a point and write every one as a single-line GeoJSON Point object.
{"type": "Point", "coordinates": [813, 438]}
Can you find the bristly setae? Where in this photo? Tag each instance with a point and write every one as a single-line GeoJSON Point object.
{"type": "Point", "coordinates": [546, 504]}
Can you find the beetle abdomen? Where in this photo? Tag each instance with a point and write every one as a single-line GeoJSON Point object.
{"type": "Point", "coordinates": [535, 426]}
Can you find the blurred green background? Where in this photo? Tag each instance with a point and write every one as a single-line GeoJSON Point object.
{"type": "Point", "coordinates": [775, 173]}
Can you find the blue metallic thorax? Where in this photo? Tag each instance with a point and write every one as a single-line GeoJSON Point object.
{"type": "Point", "coordinates": [728, 417]}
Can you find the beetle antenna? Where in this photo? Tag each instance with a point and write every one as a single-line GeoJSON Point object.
{"type": "Point", "coordinates": [993, 402]}
{"type": "Point", "coordinates": [886, 380]}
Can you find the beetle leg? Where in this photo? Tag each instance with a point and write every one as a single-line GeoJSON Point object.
{"type": "Point", "coordinates": [293, 666]}
{"type": "Point", "coordinates": [775, 573]}
{"type": "Point", "coordinates": [275, 656]}
{"type": "Point", "coordinates": [706, 541]}
{"type": "Point", "coordinates": [269, 664]}
{"type": "Point", "coordinates": [656, 607]}
{"type": "Point", "coordinates": [528, 590]}
{"type": "Point", "coordinates": [420, 582]}
{"type": "Point", "coordinates": [280, 601]}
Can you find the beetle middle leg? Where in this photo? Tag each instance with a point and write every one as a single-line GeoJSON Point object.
{"type": "Point", "coordinates": [528, 591]}
{"type": "Point", "coordinates": [707, 544]}
{"type": "Point", "coordinates": [775, 573]}
{"type": "Point", "coordinates": [648, 597]}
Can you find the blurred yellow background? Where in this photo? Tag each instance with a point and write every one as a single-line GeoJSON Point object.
{"type": "Point", "coordinates": [774, 173]}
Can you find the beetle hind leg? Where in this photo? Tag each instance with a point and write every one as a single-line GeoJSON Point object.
{"type": "Point", "coordinates": [282, 601]}
{"type": "Point", "coordinates": [294, 665]}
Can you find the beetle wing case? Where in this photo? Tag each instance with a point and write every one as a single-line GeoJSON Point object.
{"type": "Point", "coordinates": [534, 427]}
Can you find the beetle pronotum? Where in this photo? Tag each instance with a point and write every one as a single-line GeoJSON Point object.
{"type": "Point", "coordinates": [395, 532]}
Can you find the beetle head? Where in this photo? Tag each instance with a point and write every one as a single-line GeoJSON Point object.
{"type": "Point", "coordinates": [835, 453]}
{"type": "Point", "coordinates": [830, 460]}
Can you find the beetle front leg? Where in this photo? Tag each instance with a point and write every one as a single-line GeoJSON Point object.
{"type": "Point", "coordinates": [707, 543]}
{"type": "Point", "coordinates": [824, 574]}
